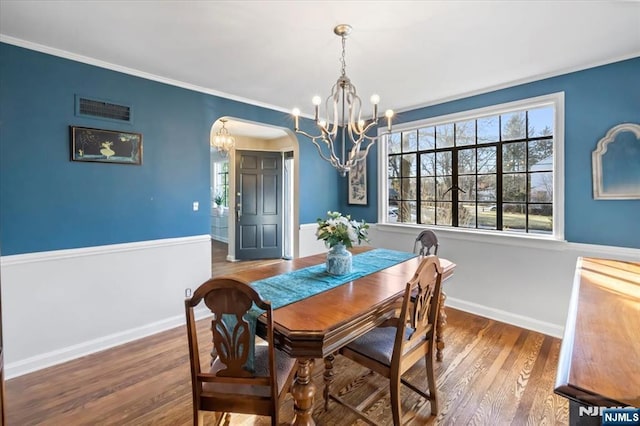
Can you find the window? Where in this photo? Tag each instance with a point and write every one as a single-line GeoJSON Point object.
{"type": "Point", "coordinates": [221, 182]}
{"type": "Point", "coordinates": [488, 169]}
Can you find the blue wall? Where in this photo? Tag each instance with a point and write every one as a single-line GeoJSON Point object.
{"type": "Point", "coordinates": [596, 99]}
{"type": "Point", "coordinates": [48, 202]}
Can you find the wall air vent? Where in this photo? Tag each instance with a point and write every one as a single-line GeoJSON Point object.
{"type": "Point", "coordinates": [102, 109]}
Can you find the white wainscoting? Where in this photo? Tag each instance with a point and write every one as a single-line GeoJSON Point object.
{"type": "Point", "coordinates": [64, 304]}
{"type": "Point", "coordinates": [309, 244]}
{"type": "Point", "coordinates": [521, 280]}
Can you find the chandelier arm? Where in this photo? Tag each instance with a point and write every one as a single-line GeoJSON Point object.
{"type": "Point", "coordinates": [324, 131]}
{"type": "Point", "coordinates": [335, 122]}
{"type": "Point", "coordinates": [356, 138]}
{"type": "Point", "coordinates": [364, 135]}
{"type": "Point", "coordinates": [319, 148]}
{"type": "Point", "coordinates": [366, 129]}
{"type": "Point", "coordinates": [334, 158]}
{"type": "Point", "coordinates": [366, 150]}
{"type": "Point", "coordinates": [355, 106]}
{"type": "Point", "coordinates": [313, 138]}
{"type": "Point", "coordinates": [369, 126]}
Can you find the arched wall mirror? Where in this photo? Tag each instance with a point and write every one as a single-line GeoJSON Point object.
{"type": "Point", "coordinates": [616, 164]}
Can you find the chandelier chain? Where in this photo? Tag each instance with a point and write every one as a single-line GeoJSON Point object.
{"type": "Point", "coordinates": [343, 60]}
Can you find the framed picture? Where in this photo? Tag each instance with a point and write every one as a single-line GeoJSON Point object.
{"type": "Point", "coordinates": [105, 146]}
{"type": "Point", "coordinates": [358, 182]}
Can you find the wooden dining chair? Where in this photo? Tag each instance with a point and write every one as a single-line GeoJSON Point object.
{"type": "Point", "coordinates": [427, 240]}
{"type": "Point", "coordinates": [391, 349]}
{"type": "Point", "coordinates": [231, 383]}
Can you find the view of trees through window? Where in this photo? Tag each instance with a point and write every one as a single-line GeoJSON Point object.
{"type": "Point", "coordinates": [492, 172]}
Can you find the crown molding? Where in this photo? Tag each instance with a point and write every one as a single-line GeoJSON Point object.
{"type": "Point", "coordinates": [518, 82]}
{"type": "Point", "coordinates": [131, 71]}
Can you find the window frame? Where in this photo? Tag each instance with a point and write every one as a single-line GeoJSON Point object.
{"type": "Point", "coordinates": [555, 99]}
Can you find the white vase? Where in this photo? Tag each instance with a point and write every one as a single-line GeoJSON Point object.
{"type": "Point", "coordinates": [339, 260]}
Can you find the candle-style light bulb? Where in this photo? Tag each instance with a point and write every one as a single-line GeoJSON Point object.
{"type": "Point", "coordinates": [375, 99]}
{"type": "Point", "coordinates": [296, 115]}
{"type": "Point", "coordinates": [389, 114]}
{"type": "Point", "coordinates": [316, 101]}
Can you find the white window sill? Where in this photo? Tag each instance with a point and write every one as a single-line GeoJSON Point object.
{"type": "Point", "coordinates": [483, 236]}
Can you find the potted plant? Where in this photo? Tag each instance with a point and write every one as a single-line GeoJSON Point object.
{"type": "Point", "coordinates": [219, 199]}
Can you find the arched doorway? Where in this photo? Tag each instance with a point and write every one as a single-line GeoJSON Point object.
{"type": "Point", "coordinates": [254, 136]}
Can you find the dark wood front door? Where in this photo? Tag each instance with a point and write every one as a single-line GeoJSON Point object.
{"type": "Point", "coordinates": [259, 215]}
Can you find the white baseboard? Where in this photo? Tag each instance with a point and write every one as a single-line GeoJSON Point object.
{"type": "Point", "coordinates": [69, 353]}
{"type": "Point", "coordinates": [549, 329]}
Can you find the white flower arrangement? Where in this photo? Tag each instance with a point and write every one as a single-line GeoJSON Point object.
{"type": "Point", "coordinates": [339, 229]}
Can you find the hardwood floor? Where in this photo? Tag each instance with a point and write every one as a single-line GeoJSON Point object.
{"type": "Point", "coordinates": [220, 266]}
{"type": "Point", "coordinates": [492, 374]}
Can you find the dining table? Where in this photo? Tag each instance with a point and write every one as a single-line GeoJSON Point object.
{"type": "Point", "coordinates": [318, 325]}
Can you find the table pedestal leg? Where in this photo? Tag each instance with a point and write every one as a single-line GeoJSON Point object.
{"type": "Point", "coordinates": [442, 321]}
{"type": "Point", "coordinates": [328, 379]}
{"type": "Point", "coordinates": [303, 391]}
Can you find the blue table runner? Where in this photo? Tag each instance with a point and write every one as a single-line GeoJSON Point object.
{"type": "Point", "coordinates": [296, 285]}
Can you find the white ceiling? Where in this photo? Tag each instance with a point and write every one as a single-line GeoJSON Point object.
{"type": "Point", "coordinates": [281, 53]}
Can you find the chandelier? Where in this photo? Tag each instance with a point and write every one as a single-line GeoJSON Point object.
{"type": "Point", "coordinates": [223, 141]}
{"type": "Point", "coordinates": [343, 120]}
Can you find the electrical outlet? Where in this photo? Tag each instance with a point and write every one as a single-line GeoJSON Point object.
{"type": "Point", "coordinates": [196, 206]}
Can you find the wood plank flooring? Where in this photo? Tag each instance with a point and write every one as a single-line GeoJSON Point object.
{"type": "Point", "coordinates": [219, 265]}
{"type": "Point", "coordinates": [492, 374]}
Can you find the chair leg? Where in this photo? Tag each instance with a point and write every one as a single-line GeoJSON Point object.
{"type": "Point", "coordinates": [328, 379]}
{"type": "Point", "coordinates": [227, 419]}
{"type": "Point", "coordinates": [431, 380]}
{"type": "Point", "coordinates": [394, 392]}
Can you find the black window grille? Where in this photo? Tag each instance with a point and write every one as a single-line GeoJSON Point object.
{"type": "Point", "coordinates": [494, 172]}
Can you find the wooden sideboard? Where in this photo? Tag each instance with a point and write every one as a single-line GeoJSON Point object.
{"type": "Point", "coordinates": [599, 363]}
